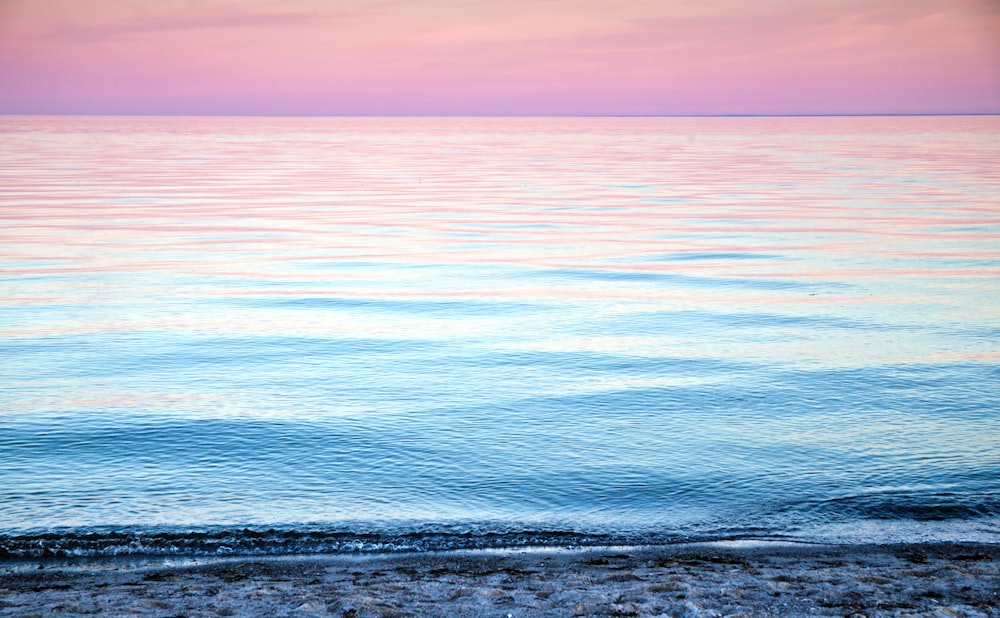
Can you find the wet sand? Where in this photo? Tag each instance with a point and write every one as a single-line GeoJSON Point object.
{"type": "Point", "coordinates": [679, 581]}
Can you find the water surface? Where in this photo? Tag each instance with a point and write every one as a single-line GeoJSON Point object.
{"type": "Point", "coordinates": [250, 334]}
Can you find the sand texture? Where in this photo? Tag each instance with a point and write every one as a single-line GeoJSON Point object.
{"type": "Point", "coordinates": [682, 581]}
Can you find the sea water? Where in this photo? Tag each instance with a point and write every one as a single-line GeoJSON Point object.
{"type": "Point", "coordinates": [268, 335]}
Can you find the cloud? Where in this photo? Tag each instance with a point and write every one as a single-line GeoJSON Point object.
{"type": "Point", "coordinates": [223, 16]}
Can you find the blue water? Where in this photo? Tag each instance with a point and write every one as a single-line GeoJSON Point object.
{"type": "Point", "coordinates": [258, 335]}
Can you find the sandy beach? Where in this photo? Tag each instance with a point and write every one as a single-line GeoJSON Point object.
{"type": "Point", "coordinates": [679, 581]}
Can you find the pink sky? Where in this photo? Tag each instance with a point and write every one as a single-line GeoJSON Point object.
{"type": "Point", "coordinates": [499, 57]}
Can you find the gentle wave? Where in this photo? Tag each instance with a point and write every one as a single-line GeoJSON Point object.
{"type": "Point", "coordinates": [854, 520]}
{"type": "Point", "coordinates": [270, 541]}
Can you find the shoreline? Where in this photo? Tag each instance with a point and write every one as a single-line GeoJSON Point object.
{"type": "Point", "coordinates": [707, 579]}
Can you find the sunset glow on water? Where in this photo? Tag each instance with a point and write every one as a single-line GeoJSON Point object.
{"type": "Point", "coordinates": [655, 328]}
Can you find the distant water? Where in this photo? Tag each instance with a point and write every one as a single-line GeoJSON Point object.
{"type": "Point", "coordinates": [269, 335]}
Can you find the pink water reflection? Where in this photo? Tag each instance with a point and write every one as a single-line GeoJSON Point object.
{"type": "Point", "coordinates": [272, 199]}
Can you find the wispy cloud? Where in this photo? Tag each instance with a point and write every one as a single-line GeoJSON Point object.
{"type": "Point", "coordinates": [221, 16]}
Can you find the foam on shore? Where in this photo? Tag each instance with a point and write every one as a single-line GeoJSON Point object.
{"type": "Point", "coordinates": [685, 580]}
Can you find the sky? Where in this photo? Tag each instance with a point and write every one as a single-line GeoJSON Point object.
{"type": "Point", "coordinates": [499, 57]}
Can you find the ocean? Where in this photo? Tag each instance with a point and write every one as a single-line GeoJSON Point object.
{"type": "Point", "coordinates": [294, 335]}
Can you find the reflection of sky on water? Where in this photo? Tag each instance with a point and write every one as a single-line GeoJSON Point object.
{"type": "Point", "coordinates": [826, 286]}
{"type": "Point", "coordinates": [891, 223]}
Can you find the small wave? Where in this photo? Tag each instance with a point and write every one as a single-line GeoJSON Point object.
{"type": "Point", "coordinates": [415, 537]}
{"type": "Point", "coordinates": [902, 505]}
{"type": "Point", "coordinates": [273, 541]}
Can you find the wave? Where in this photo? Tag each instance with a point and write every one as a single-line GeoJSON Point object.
{"type": "Point", "coordinates": [364, 538]}
{"type": "Point", "coordinates": [259, 541]}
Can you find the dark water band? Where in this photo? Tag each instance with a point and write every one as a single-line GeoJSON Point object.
{"type": "Point", "coordinates": [250, 542]}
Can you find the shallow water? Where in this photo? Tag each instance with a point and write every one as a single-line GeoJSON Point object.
{"type": "Point", "coordinates": [343, 333]}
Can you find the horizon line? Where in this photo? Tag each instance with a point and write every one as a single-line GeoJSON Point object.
{"type": "Point", "coordinates": [733, 115]}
